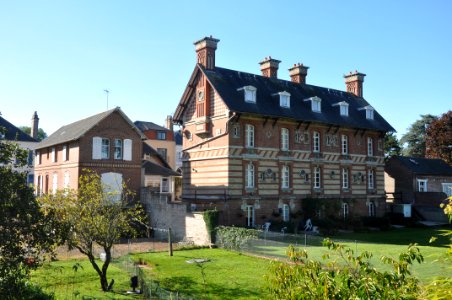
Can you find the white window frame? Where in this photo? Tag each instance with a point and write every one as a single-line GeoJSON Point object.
{"type": "Point", "coordinates": [370, 146]}
{"type": "Point", "coordinates": [127, 150]}
{"type": "Point", "coordinates": [284, 99]}
{"type": "Point", "coordinates": [118, 149]}
{"type": "Point", "coordinates": [372, 210]}
{"type": "Point", "coordinates": [285, 177]}
{"type": "Point", "coordinates": [369, 113]}
{"type": "Point", "coordinates": [161, 135]}
{"type": "Point", "coordinates": [316, 141]}
{"type": "Point", "coordinates": [38, 155]}
{"type": "Point", "coordinates": [345, 210]}
{"type": "Point", "coordinates": [54, 154]}
{"type": "Point", "coordinates": [165, 185]}
{"type": "Point", "coordinates": [317, 178]}
{"type": "Point", "coordinates": [284, 139]}
{"type": "Point", "coordinates": [250, 93]}
{"type": "Point", "coordinates": [236, 131]}
{"type": "Point", "coordinates": [249, 136]}
{"type": "Point", "coordinates": [345, 179]}
{"type": "Point", "coordinates": [422, 183]}
{"type": "Point", "coordinates": [249, 176]}
{"type": "Point", "coordinates": [286, 212]}
{"type": "Point", "coordinates": [370, 179]}
{"type": "Point", "coordinates": [316, 104]}
{"type": "Point", "coordinates": [250, 216]}
{"type": "Point", "coordinates": [105, 148]}
{"type": "Point", "coordinates": [344, 144]}
{"type": "Point", "coordinates": [343, 109]}
{"type": "Point", "coordinates": [447, 188]}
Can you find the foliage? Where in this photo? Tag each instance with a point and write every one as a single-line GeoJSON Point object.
{"type": "Point", "coordinates": [24, 231]}
{"type": "Point", "coordinates": [392, 145]}
{"type": "Point", "coordinates": [41, 133]}
{"type": "Point", "coordinates": [93, 214]}
{"type": "Point", "coordinates": [416, 136]}
{"type": "Point", "coordinates": [439, 138]}
{"type": "Point", "coordinates": [211, 220]}
{"type": "Point", "coordinates": [353, 277]}
{"type": "Point", "coordinates": [234, 238]}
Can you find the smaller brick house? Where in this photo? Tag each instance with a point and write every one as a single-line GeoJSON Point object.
{"type": "Point", "coordinates": [422, 182]}
{"type": "Point", "coordinates": [107, 143]}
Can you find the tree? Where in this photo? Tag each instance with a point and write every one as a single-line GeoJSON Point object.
{"type": "Point", "coordinates": [415, 137]}
{"type": "Point", "coordinates": [439, 138]}
{"type": "Point", "coordinates": [93, 214]}
{"type": "Point", "coordinates": [392, 145]}
{"type": "Point", "coordinates": [41, 133]}
{"type": "Point", "coordinates": [25, 233]}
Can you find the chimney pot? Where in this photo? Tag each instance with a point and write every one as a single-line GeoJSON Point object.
{"type": "Point", "coordinates": [205, 51]}
{"type": "Point", "coordinates": [269, 67]}
{"type": "Point", "coordinates": [298, 73]}
{"type": "Point", "coordinates": [354, 83]}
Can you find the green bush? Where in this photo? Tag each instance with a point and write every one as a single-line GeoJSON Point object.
{"type": "Point", "coordinates": [25, 290]}
{"type": "Point", "coordinates": [211, 219]}
{"type": "Point", "coordinates": [351, 278]}
{"type": "Point", "coordinates": [234, 238]}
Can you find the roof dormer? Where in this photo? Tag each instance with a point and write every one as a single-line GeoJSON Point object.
{"type": "Point", "coordinates": [343, 108]}
{"type": "Point", "coordinates": [284, 99]}
{"type": "Point", "coordinates": [316, 103]}
{"type": "Point", "coordinates": [249, 93]}
{"type": "Point", "coordinates": [369, 112]}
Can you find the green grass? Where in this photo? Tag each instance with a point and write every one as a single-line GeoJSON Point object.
{"type": "Point", "coordinates": [60, 278]}
{"type": "Point", "coordinates": [228, 275]}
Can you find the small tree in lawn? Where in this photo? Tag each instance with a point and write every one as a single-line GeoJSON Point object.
{"type": "Point", "coordinates": [94, 215]}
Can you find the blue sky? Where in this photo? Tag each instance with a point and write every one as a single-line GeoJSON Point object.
{"type": "Point", "coordinates": [57, 57]}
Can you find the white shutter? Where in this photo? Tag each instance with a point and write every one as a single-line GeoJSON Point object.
{"type": "Point", "coordinates": [128, 149]}
{"type": "Point", "coordinates": [64, 152]}
{"type": "Point", "coordinates": [97, 147]}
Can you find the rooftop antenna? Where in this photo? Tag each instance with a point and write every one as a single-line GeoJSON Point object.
{"type": "Point", "coordinates": [107, 92]}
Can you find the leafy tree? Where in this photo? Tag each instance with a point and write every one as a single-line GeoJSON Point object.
{"type": "Point", "coordinates": [415, 137]}
{"type": "Point", "coordinates": [439, 138]}
{"type": "Point", "coordinates": [93, 214]}
{"type": "Point", "coordinates": [392, 145]}
{"type": "Point", "coordinates": [353, 277]}
{"type": "Point", "coordinates": [24, 231]}
{"type": "Point", "coordinates": [41, 133]}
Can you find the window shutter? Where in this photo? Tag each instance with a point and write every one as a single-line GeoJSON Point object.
{"type": "Point", "coordinates": [128, 149]}
{"type": "Point", "coordinates": [97, 147]}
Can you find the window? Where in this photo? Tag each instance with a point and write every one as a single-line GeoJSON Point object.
{"type": "Point", "coordinates": [317, 177]}
{"type": "Point", "coordinates": [447, 189]}
{"type": "Point", "coordinates": [165, 185]}
{"type": "Point", "coordinates": [38, 155]}
{"type": "Point", "coordinates": [344, 140]}
{"type": "Point", "coordinates": [369, 113]}
{"type": "Point", "coordinates": [372, 209]}
{"type": "Point", "coordinates": [65, 152]}
{"type": "Point", "coordinates": [370, 146]}
{"type": "Point", "coordinates": [285, 175]}
{"type": "Point", "coordinates": [249, 178]}
{"type": "Point", "coordinates": [298, 137]}
{"type": "Point", "coordinates": [284, 139]}
{"type": "Point", "coordinates": [66, 180]}
{"type": "Point", "coordinates": [112, 185]}
{"type": "Point", "coordinates": [370, 180]}
{"type": "Point", "coordinates": [316, 142]}
{"type": "Point", "coordinates": [118, 149]}
{"type": "Point", "coordinates": [162, 152]}
{"type": "Point", "coordinates": [345, 182]}
{"type": "Point", "coordinates": [161, 135]}
{"type": "Point", "coordinates": [249, 136]}
{"type": "Point", "coordinates": [316, 104]}
{"type": "Point", "coordinates": [127, 155]}
{"type": "Point", "coordinates": [345, 210]}
{"type": "Point", "coordinates": [344, 109]}
{"type": "Point", "coordinates": [250, 215]}
{"type": "Point", "coordinates": [284, 99]}
{"type": "Point", "coordinates": [286, 212]}
{"type": "Point", "coordinates": [250, 93]}
{"type": "Point", "coordinates": [236, 131]}
{"type": "Point", "coordinates": [55, 183]}
{"type": "Point", "coordinates": [30, 158]}
{"type": "Point", "coordinates": [54, 155]}
{"type": "Point", "coordinates": [105, 150]}
{"type": "Point", "coordinates": [422, 185]}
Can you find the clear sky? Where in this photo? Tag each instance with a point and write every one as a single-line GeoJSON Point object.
{"type": "Point", "coordinates": [57, 57]}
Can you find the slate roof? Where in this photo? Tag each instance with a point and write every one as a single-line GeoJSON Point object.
{"type": "Point", "coordinates": [149, 150]}
{"type": "Point", "coordinates": [74, 131]}
{"type": "Point", "coordinates": [15, 134]}
{"type": "Point", "coordinates": [178, 137]}
{"type": "Point", "coordinates": [227, 82]}
{"type": "Point", "coordinates": [144, 126]}
{"type": "Point", "coordinates": [425, 166]}
{"type": "Point", "coordinates": [151, 168]}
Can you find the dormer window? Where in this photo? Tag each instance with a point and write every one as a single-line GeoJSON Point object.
{"type": "Point", "coordinates": [343, 108]}
{"type": "Point", "coordinates": [369, 112]}
{"type": "Point", "coordinates": [316, 103]}
{"type": "Point", "coordinates": [250, 93]}
{"type": "Point", "coordinates": [284, 99]}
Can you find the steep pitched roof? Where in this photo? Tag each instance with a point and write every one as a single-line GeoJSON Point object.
{"type": "Point", "coordinates": [144, 126]}
{"type": "Point", "coordinates": [13, 133]}
{"type": "Point", "coordinates": [425, 166]}
{"type": "Point", "coordinates": [151, 168]}
{"type": "Point", "coordinates": [74, 131]}
{"type": "Point", "coordinates": [227, 83]}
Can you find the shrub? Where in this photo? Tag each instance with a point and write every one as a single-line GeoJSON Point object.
{"type": "Point", "coordinates": [234, 238]}
{"type": "Point", "coordinates": [378, 222]}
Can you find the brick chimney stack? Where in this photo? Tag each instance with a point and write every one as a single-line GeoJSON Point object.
{"type": "Point", "coordinates": [269, 67]}
{"type": "Point", "coordinates": [34, 125]}
{"type": "Point", "coordinates": [169, 123]}
{"type": "Point", "coordinates": [298, 73]}
{"type": "Point", "coordinates": [354, 83]}
{"type": "Point", "coordinates": [205, 52]}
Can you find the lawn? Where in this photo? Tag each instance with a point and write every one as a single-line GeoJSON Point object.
{"type": "Point", "coordinates": [227, 275]}
{"type": "Point", "coordinates": [59, 277]}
